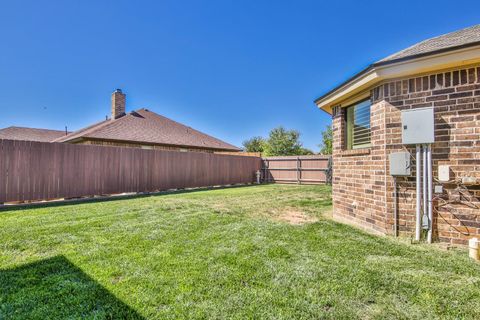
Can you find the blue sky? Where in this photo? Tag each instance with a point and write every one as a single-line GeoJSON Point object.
{"type": "Point", "coordinates": [233, 69]}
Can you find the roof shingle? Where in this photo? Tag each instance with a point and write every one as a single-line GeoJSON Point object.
{"type": "Point", "coordinates": [30, 134]}
{"type": "Point", "coordinates": [144, 126]}
{"type": "Point", "coordinates": [450, 40]}
{"type": "Point", "coordinates": [468, 37]}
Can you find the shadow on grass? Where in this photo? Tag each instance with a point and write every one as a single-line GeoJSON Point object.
{"type": "Point", "coordinates": [94, 199]}
{"type": "Point", "coordinates": [56, 289]}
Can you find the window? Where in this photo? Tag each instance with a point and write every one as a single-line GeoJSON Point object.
{"type": "Point", "coordinates": [357, 125]}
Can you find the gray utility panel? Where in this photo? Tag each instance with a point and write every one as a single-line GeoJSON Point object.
{"type": "Point", "coordinates": [400, 164]}
{"type": "Point", "coordinates": [418, 126]}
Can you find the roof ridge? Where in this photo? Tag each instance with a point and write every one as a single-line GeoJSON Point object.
{"type": "Point", "coordinates": [153, 128]}
{"type": "Point", "coordinates": [21, 127]}
{"type": "Point", "coordinates": [30, 134]}
{"type": "Point", "coordinates": [184, 125]}
{"type": "Point", "coordinates": [89, 129]}
{"type": "Point", "coordinates": [188, 127]}
{"type": "Point", "coordinates": [456, 31]}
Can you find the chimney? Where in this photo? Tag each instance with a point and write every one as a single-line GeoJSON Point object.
{"type": "Point", "coordinates": [118, 104]}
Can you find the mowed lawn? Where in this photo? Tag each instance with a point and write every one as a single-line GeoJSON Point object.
{"type": "Point", "coordinates": [263, 252]}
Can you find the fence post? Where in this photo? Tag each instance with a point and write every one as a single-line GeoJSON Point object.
{"type": "Point", "coordinates": [265, 171]}
{"type": "Point", "coordinates": [298, 170]}
{"type": "Point", "coordinates": [291, 171]}
{"type": "Point", "coordinates": [45, 171]}
{"type": "Point", "coordinates": [329, 171]}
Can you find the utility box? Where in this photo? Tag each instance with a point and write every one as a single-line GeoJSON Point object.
{"type": "Point", "coordinates": [418, 126]}
{"type": "Point", "coordinates": [400, 164]}
{"type": "Point", "coordinates": [443, 173]}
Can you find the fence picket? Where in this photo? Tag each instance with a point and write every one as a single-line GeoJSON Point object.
{"type": "Point", "coordinates": [32, 171]}
{"type": "Point", "coordinates": [297, 169]}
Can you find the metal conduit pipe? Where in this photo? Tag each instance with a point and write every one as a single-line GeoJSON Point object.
{"type": "Point", "coordinates": [418, 222]}
{"type": "Point", "coordinates": [429, 196]}
{"type": "Point", "coordinates": [395, 209]}
{"type": "Point", "coordinates": [424, 187]}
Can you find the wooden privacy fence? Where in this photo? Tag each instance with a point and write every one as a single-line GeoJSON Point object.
{"type": "Point", "coordinates": [41, 171]}
{"type": "Point", "coordinates": [313, 169]}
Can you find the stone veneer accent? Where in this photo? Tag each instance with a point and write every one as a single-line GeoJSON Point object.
{"type": "Point", "coordinates": [362, 186]}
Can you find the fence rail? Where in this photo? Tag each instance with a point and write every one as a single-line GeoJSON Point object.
{"type": "Point", "coordinates": [297, 169]}
{"type": "Point", "coordinates": [32, 171]}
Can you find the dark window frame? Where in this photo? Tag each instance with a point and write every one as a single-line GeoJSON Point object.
{"type": "Point", "coordinates": [361, 134]}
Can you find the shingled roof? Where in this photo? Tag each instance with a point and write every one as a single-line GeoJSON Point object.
{"type": "Point", "coordinates": [147, 127]}
{"type": "Point", "coordinates": [30, 134]}
{"type": "Point", "coordinates": [464, 38]}
{"type": "Point", "coordinates": [449, 41]}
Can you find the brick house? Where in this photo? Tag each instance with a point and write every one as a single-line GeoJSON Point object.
{"type": "Point", "coordinates": [137, 129]}
{"type": "Point", "coordinates": [31, 134]}
{"type": "Point", "coordinates": [443, 73]}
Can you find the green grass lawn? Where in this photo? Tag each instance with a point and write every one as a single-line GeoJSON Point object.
{"type": "Point", "coordinates": [263, 252]}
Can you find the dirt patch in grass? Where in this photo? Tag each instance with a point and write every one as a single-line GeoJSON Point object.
{"type": "Point", "coordinates": [295, 217]}
{"type": "Point", "coordinates": [199, 255]}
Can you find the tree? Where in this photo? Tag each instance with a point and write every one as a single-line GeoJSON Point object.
{"type": "Point", "coordinates": [282, 142]}
{"type": "Point", "coordinates": [327, 140]}
{"type": "Point", "coordinates": [305, 152]}
{"type": "Point", "coordinates": [255, 144]}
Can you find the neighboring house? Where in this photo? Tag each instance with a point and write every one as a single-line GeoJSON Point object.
{"type": "Point", "coordinates": [31, 134]}
{"type": "Point", "coordinates": [138, 129]}
{"type": "Point", "coordinates": [443, 73]}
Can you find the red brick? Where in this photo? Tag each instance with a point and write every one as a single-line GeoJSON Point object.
{"type": "Point", "coordinates": [359, 176]}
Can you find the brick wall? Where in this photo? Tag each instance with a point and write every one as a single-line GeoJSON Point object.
{"type": "Point", "coordinates": [362, 187]}
{"type": "Point", "coordinates": [136, 145]}
{"type": "Point", "coordinates": [359, 175]}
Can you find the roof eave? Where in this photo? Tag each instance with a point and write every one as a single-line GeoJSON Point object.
{"type": "Point", "coordinates": [138, 142]}
{"type": "Point", "coordinates": [426, 54]}
{"type": "Point", "coordinates": [440, 59]}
